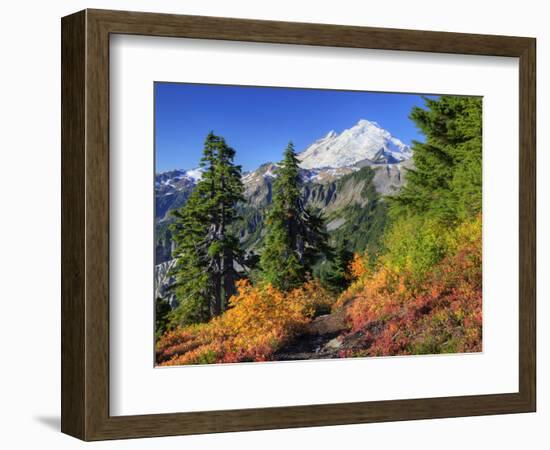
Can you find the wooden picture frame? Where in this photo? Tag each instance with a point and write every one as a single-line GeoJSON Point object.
{"type": "Point", "coordinates": [85, 224]}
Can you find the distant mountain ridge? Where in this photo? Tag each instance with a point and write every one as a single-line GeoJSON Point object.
{"type": "Point", "coordinates": [324, 161]}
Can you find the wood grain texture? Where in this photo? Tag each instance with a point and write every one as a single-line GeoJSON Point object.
{"type": "Point", "coordinates": [85, 224]}
{"type": "Point", "coordinates": [527, 224]}
{"type": "Point", "coordinates": [97, 225]}
{"type": "Point", "coordinates": [73, 109]}
{"type": "Point", "coordinates": [201, 27]}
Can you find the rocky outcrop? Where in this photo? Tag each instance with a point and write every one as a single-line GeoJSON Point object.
{"type": "Point", "coordinates": [327, 336]}
{"type": "Point", "coordinates": [389, 178]}
{"type": "Point", "coordinates": [327, 324]}
{"type": "Point", "coordinates": [319, 339]}
{"type": "Point", "coordinates": [164, 281]}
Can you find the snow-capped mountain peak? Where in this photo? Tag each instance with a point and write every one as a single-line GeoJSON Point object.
{"type": "Point", "coordinates": [173, 177]}
{"type": "Point", "coordinates": [195, 174]}
{"type": "Point", "coordinates": [366, 142]}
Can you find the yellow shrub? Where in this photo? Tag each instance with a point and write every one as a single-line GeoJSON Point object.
{"type": "Point", "coordinates": [258, 322]}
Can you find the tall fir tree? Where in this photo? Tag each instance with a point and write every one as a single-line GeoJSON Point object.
{"type": "Point", "coordinates": [337, 277]}
{"type": "Point", "coordinates": [295, 236]}
{"type": "Point", "coordinates": [443, 189]}
{"type": "Point", "coordinates": [205, 248]}
{"type": "Point", "coordinates": [445, 182]}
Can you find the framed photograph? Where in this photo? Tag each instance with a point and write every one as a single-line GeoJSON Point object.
{"type": "Point", "coordinates": [272, 225]}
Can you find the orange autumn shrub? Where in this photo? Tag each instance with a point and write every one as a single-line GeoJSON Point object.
{"type": "Point", "coordinates": [395, 314]}
{"type": "Point", "coordinates": [259, 321]}
{"type": "Point", "coordinates": [359, 266]}
{"type": "Point", "coordinates": [358, 272]}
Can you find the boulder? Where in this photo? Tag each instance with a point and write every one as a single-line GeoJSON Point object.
{"type": "Point", "coordinates": [327, 324]}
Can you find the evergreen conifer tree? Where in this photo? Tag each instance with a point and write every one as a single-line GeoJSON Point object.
{"type": "Point", "coordinates": [446, 180]}
{"type": "Point", "coordinates": [295, 236]}
{"type": "Point", "coordinates": [337, 278]}
{"type": "Point", "coordinates": [162, 311]}
{"type": "Point", "coordinates": [206, 249]}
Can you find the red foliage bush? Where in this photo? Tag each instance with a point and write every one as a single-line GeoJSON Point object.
{"type": "Point", "coordinates": [390, 310]}
{"type": "Point", "coordinates": [442, 314]}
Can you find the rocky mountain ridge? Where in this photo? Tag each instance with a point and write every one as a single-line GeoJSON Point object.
{"type": "Point", "coordinates": [323, 162]}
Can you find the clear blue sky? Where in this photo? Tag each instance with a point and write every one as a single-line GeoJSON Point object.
{"type": "Point", "coordinates": [258, 122]}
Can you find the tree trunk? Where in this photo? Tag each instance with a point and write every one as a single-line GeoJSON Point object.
{"type": "Point", "coordinates": [228, 279]}
{"type": "Point", "coordinates": [216, 300]}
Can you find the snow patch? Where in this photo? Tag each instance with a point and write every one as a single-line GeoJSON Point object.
{"type": "Point", "coordinates": [195, 174]}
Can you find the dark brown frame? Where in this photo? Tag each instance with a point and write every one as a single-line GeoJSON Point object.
{"type": "Point", "coordinates": [85, 224]}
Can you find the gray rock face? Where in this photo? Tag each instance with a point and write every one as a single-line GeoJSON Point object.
{"type": "Point", "coordinates": [163, 282]}
{"type": "Point", "coordinates": [390, 177]}
{"type": "Point", "coordinates": [320, 186]}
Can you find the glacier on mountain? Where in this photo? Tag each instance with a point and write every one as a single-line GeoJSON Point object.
{"type": "Point", "coordinates": [363, 144]}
